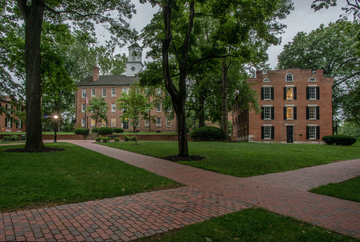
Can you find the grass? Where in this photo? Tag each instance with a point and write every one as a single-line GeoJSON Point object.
{"type": "Point", "coordinates": [75, 175]}
{"type": "Point", "coordinates": [11, 142]}
{"type": "Point", "coordinates": [348, 190]}
{"type": "Point", "coordinates": [248, 159]}
{"type": "Point", "coordinates": [252, 225]}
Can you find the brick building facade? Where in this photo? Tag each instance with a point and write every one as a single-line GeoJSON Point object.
{"type": "Point", "coordinates": [296, 107]}
{"type": "Point", "coordinates": [110, 87]}
{"type": "Point", "coordinates": [6, 125]}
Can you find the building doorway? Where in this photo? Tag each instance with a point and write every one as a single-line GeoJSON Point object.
{"type": "Point", "coordinates": [290, 134]}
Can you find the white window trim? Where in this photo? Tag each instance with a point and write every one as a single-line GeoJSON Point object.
{"type": "Point", "coordinates": [267, 105]}
{"type": "Point", "coordinates": [289, 124]}
{"type": "Point", "coordinates": [314, 132]}
{"type": "Point", "coordinates": [312, 125]}
{"type": "Point", "coordinates": [311, 78]}
{"type": "Point", "coordinates": [269, 113]}
{"type": "Point", "coordinates": [266, 125]}
{"type": "Point", "coordinates": [157, 108]}
{"type": "Point", "coordinates": [266, 79]}
{"type": "Point", "coordinates": [167, 122]}
{"type": "Point", "coordinates": [289, 85]}
{"type": "Point", "coordinates": [111, 120]}
{"type": "Point", "coordinates": [93, 95]}
{"type": "Point", "coordinates": [314, 113]}
{"type": "Point", "coordinates": [92, 125]}
{"type": "Point", "coordinates": [113, 94]}
{"type": "Point", "coordinates": [267, 99]}
{"type": "Point", "coordinates": [147, 123]}
{"type": "Point", "coordinates": [83, 124]}
{"type": "Point", "coordinates": [292, 77]}
{"type": "Point", "coordinates": [292, 113]}
{"type": "Point", "coordinates": [312, 98]}
{"type": "Point", "coordinates": [113, 104]}
{"type": "Point", "coordinates": [290, 105]}
{"type": "Point", "coordinates": [82, 93]}
{"type": "Point", "coordinates": [82, 108]}
{"type": "Point", "coordinates": [102, 92]}
{"type": "Point", "coordinates": [312, 105]}
{"type": "Point", "coordinates": [292, 90]}
{"type": "Point", "coordinates": [158, 125]}
{"type": "Point", "coordinates": [269, 132]}
{"type": "Point", "coordinates": [267, 86]}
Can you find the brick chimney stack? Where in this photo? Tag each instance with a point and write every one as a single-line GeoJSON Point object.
{"type": "Point", "coordinates": [96, 71]}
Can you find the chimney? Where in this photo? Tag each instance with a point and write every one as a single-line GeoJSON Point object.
{"type": "Point", "coordinates": [96, 71]}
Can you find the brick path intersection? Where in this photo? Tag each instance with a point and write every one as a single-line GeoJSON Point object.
{"type": "Point", "coordinates": [207, 195]}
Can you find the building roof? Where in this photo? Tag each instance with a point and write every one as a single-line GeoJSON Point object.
{"type": "Point", "coordinates": [108, 80]}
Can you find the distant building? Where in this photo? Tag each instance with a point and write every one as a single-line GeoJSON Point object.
{"type": "Point", "coordinates": [5, 124]}
{"type": "Point", "coordinates": [110, 87]}
{"type": "Point", "coordinates": [296, 107]}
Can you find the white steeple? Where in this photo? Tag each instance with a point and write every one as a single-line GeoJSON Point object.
{"type": "Point", "coordinates": [134, 64]}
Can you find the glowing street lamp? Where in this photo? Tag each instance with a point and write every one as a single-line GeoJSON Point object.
{"type": "Point", "coordinates": [55, 118]}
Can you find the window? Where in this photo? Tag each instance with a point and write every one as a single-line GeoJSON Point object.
{"type": "Point", "coordinates": [290, 113]}
{"type": "Point", "coordinates": [8, 123]}
{"type": "Point", "coordinates": [267, 93]}
{"type": "Point", "coordinates": [83, 91]}
{"type": "Point", "coordinates": [137, 122]}
{"type": "Point", "coordinates": [83, 122]}
{"type": "Point", "coordinates": [103, 123]}
{"type": "Point", "coordinates": [266, 79]}
{"type": "Point", "coordinates": [158, 107]}
{"type": "Point", "coordinates": [312, 132]}
{"type": "Point", "coordinates": [92, 122]}
{"type": "Point", "coordinates": [125, 90]}
{"type": "Point", "coordinates": [104, 92]}
{"type": "Point", "coordinates": [289, 77]}
{"type": "Point", "coordinates": [9, 107]}
{"type": "Point", "coordinates": [147, 123]}
{"type": "Point", "coordinates": [313, 113]}
{"type": "Point", "coordinates": [312, 79]}
{"type": "Point", "coordinates": [113, 122]}
{"type": "Point", "coordinates": [313, 93]}
{"type": "Point", "coordinates": [267, 132]}
{"type": "Point", "coordinates": [113, 92]}
{"type": "Point", "coordinates": [266, 113]}
{"type": "Point", "coordinates": [93, 94]}
{"type": "Point", "coordinates": [158, 122]}
{"type": "Point", "coordinates": [113, 107]}
{"type": "Point", "coordinates": [168, 122]}
{"type": "Point", "coordinates": [158, 91]}
{"type": "Point", "coordinates": [289, 93]}
{"type": "Point", "coordinates": [83, 107]}
{"type": "Point", "coordinates": [19, 126]}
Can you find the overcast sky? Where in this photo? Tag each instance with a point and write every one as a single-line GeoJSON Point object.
{"type": "Point", "coordinates": [303, 18]}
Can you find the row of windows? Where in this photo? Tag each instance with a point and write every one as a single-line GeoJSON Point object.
{"type": "Point", "coordinates": [290, 113]}
{"type": "Point", "coordinates": [137, 123]}
{"type": "Point", "coordinates": [241, 118]}
{"type": "Point", "coordinates": [312, 132]}
{"type": "Point", "coordinates": [103, 93]}
{"type": "Point", "coordinates": [290, 93]}
{"type": "Point", "coordinates": [9, 124]}
{"type": "Point", "coordinates": [113, 108]}
{"type": "Point", "coordinates": [289, 78]}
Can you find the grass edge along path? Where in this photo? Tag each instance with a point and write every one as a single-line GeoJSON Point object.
{"type": "Point", "coordinates": [348, 190]}
{"type": "Point", "coordinates": [253, 224]}
{"type": "Point", "coordinates": [242, 159]}
{"type": "Point", "coordinates": [33, 180]}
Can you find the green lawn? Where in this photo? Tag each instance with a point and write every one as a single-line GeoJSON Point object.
{"type": "Point", "coordinates": [248, 159]}
{"type": "Point", "coordinates": [251, 225]}
{"type": "Point", "coordinates": [74, 175]}
{"type": "Point", "coordinates": [348, 190]}
{"type": "Point", "coordinates": [11, 142]}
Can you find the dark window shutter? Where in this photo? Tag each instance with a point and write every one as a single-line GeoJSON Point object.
{"type": "Point", "coordinates": [5, 122]}
{"type": "Point", "coordinates": [262, 93]}
{"type": "Point", "coordinates": [245, 116]}
{"type": "Point", "coordinates": [307, 93]}
{"type": "Point", "coordinates": [6, 106]}
{"type": "Point", "coordinates": [307, 132]}
{"type": "Point", "coordinates": [262, 132]}
{"type": "Point", "coordinates": [284, 113]}
{"type": "Point", "coordinates": [272, 132]}
{"type": "Point", "coordinates": [272, 113]}
{"type": "Point", "coordinates": [307, 113]}
{"type": "Point", "coordinates": [262, 113]}
{"type": "Point", "coordinates": [317, 113]}
{"type": "Point", "coordinates": [284, 93]}
{"type": "Point", "coordinates": [21, 124]}
{"type": "Point", "coordinates": [318, 93]}
{"type": "Point", "coordinates": [317, 132]}
{"type": "Point", "coordinates": [295, 93]}
{"type": "Point", "coordinates": [272, 93]}
{"type": "Point", "coordinates": [295, 113]}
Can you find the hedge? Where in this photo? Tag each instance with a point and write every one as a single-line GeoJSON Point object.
{"type": "Point", "coordinates": [105, 130]}
{"type": "Point", "coordinates": [118, 130]}
{"type": "Point", "coordinates": [82, 131]}
{"type": "Point", "coordinates": [94, 130]}
{"type": "Point", "coordinates": [339, 140]}
{"type": "Point", "coordinates": [207, 134]}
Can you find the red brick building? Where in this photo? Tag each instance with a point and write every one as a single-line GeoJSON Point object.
{"type": "Point", "coordinates": [296, 107]}
{"type": "Point", "coordinates": [111, 87]}
{"type": "Point", "coordinates": [6, 125]}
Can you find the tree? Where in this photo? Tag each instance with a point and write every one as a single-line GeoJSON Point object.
{"type": "Point", "coordinates": [99, 108]}
{"type": "Point", "coordinates": [330, 49]}
{"type": "Point", "coordinates": [352, 8]}
{"type": "Point", "coordinates": [135, 105]}
{"type": "Point", "coordinates": [83, 14]}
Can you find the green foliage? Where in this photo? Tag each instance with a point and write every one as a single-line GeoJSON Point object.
{"type": "Point", "coordinates": [98, 138]}
{"type": "Point", "coordinates": [95, 130]}
{"type": "Point", "coordinates": [207, 134]}
{"type": "Point", "coordinates": [83, 131]}
{"type": "Point", "coordinates": [350, 129]}
{"type": "Point", "coordinates": [106, 139]}
{"type": "Point", "coordinates": [118, 130]}
{"type": "Point", "coordinates": [6, 138]}
{"type": "Point", "coordinates": [339, 140]}
{"type": "Point", "coordinates": [133, 138]}
{"type": "Point", "coordinates": [14, 137]}
{"type": "Point", "coordinates": [126, 138]}
{"type": "Point", "coordinates": [105, 130]}
{"type": "Point", "coordinates": [116, 139]}
{"type": "Point", "coordinates": [98, 109]}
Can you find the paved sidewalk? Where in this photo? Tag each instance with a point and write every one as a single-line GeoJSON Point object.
{"type": "Point", "coordinates": [208, 195]}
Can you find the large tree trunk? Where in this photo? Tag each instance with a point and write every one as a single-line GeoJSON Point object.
{"type": "Point", "coordinates": [224, 126]}
{"type": "Point", "coordinates": [33, 16]}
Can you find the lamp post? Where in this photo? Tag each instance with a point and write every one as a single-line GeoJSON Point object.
{"type": "Point", "coordinates": [55, 118]}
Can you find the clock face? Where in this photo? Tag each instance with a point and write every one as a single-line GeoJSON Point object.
{"type": "Point", "coordinates": [133, 68]}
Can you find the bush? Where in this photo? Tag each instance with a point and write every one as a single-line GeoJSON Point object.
{"type": "Point", "coordinates": [207, 134]}
{"type": "Point", "coordinates": [94, 130]}
{"type": "Point", "coordinates": [6, 138]}
{"type": "Point", "coordinates": [117, 139]}
{"type": "Point", "coordinates": [133, 138]}
{"type": "Point", "coordinates": [98, 138]}
{"type": "Point", "coordinates": [105, 130]}
{"type": "Point", "coordinates": [339, 140]}
{"type": "Point", "coordinates": [14, 137]}
{"type": "Point", "coordinates": [82, 131]}
{"type": "Point", "coordinates": [118, 130]}
{"type": "Point", "coordinates": [126, 138]}
{"type": "Point", "coordinates": [106, 139]}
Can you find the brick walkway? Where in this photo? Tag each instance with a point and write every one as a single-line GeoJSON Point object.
{"type": "Point", "coordinates": [208, 195]}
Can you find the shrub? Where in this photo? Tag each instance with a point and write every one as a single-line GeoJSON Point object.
{"type": "Point", "coordinates": [98, 138]}
{"type": "Point", "coordinates": [82, 131]}
{"type": "Point", "coordinates": [94, 130]}
{"type": "Point", "coordinates": [133, 138]}
{"type": "Point", "coordinates": [106, 139]}
{"type": "Point", "coordinates": [339, 140]}
{"type": "Point", "coordinates": [207, 134]}
{"type": "Point", "coordinates": [117, 139]}
{"type": "Point", "coordinates": [105, 130]}
{"type": "Point", "coordinates": [118, 130]}
{"type": "Point", "coordinates": [6, 138]}
{"type": "Point", "coordinates": [126, 138]}
{"type": "Point", "coordinates": [14, 137]}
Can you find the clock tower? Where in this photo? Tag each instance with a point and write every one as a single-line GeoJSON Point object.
{"type": "Point", "coordinates": [134, 64]}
